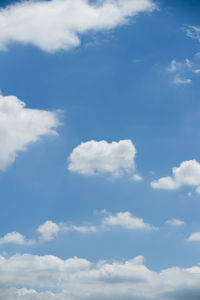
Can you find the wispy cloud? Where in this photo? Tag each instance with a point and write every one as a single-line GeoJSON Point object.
{"type": "Point", "coordinates": [175, 222]}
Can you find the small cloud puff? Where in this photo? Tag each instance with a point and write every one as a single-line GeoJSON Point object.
{"type": "Point", "coordinates": [15, 238]}
{"type": "Point", "coordinates": [194, 237]}
{"type": "Point", "coordinates": [48, 231]}
{"type": "Point", "coordinates": [137, 177]}
{"type": "Point", "coordinates": [175, 222]}
{"type": "Point", "coordinates": [126, 220]}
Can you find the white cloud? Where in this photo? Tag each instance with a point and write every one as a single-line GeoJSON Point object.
{"type": "Point", "coordinates": [48, 230]}
{"type": "Point", "coordinates": [83, 229]}
{"type": "Point", "coordinates": [187, 174]}
{"type": "Point", "coordinates": [181, 81]}
{"type": "Point", "coordinates": [173, 66]}
{"type": "Point", "coordinates": [126, 220]}
{"type": "Point", "coordinates": [197, 71]}
{"type": "Point", "coordinates": [15, 238]}
{"type": "Point", "coordinates": [137, 177]}
{"type": "Point", "coordinates": [179, 66]}
{"type": "Point", "coordinates": [181, 70]}
{"type": "Point", "coordinates": [194, 237]}
{"type": "Point", "coordinates": [92, 158]}
{"type": "Point", "coordinates": [20, 126]}
{"type": "Point", "coordinates": [193, 32]}
{"type": "Point", "coordinates": [58, 24]}
{"type": "Point", "coordinates": [175, 222]}
{"type": "Point", "coordinates": [30, 277]}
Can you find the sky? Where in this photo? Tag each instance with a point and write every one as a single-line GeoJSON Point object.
{"type": "Point", "coordinates": [99, 150]}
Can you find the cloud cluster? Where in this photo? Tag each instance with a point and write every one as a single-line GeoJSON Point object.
{"type": "Point", "coordinates": [30, 277]}
{"type": "Point", "coordinates": [187, 174]}
{"type": "Point", "coordinates": [57, 24]}
{"type": "Point", "coordinates": [93, 158]}
{"type": "Point", "coordinates": [49, 229]}
{"type": "Point", "coordinates": [20, 126]}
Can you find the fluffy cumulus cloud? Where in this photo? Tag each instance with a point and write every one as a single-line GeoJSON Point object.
{"type": "Point", "coordinates": [14, 238]}
{"type": "Point", "coordinates": [48, 230]}
{"type": "Point", "coordinates": [126, 220]}
{"type": "Point", "coordinates": [187, 174]}
{"type": "Point", "coordinates": [28, 277]}
{"type": "Point", "coordinates": [57, 24]}
{"type": "Point", "coordinates": [92, 158]}
{"type": "Point", "coordinates": [20, 126]}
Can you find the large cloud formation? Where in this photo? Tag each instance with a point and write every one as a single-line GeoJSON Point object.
{"type": "Point", "coordinates": [96, 157]}
{"type": "Point", "coordinates": [20, 126]}
{"type": "Point", "coordinates": [30, 277]}
{"type": "Point", "coordinates": [57, 24]}
{"type": "Point", "coordinates": [187, 174]}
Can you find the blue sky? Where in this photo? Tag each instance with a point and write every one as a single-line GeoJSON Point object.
{"type": "Point", "coordinates": [136, 82]}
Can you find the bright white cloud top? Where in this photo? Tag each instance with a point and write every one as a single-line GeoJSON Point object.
{"type": "Point", "coordinates": [38, 277]}
{"type": "Point", "coordinates": [57, 24]}
{"type": "Point", "coordinates": [93, 158]}
{"type": "Point", "coordinates": [126, 220]}
{"type": "Point", "coordinates": [187, 174]}
{"type": "Point", "coordinates": [20, 126]}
